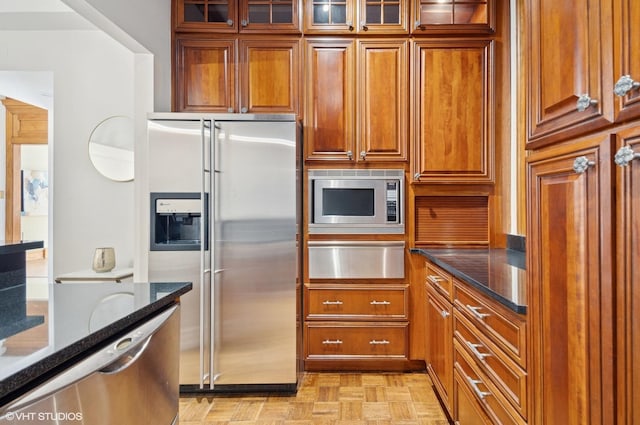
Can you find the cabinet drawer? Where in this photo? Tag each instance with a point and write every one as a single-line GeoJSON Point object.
{"type": "Point", "coordinates": [440, 280]}
{"type": "Point", "coordinates": [508, 331]}
{"type": "Point", "coordinates": [357, 302]}
{"type": "Point", "coordinates": [363, 340]}
{"type": "Point", "coordinates": [483, 390]}
{"type": "Point", "coordinates": [509, 378]}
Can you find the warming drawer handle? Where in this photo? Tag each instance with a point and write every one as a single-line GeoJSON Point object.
{"type": "Point", "coordinates": [374, 302]}
{"type": "Point", "coordinates": [355, 243]}
{"type": "Point", "coordinates": [337, 302]}
{"type": "Point", "coordinates": [376, 342]}
{"type": "Point", "coordinates": [332, 342]}
{"type": "Point", "coordinates": [476, 313]}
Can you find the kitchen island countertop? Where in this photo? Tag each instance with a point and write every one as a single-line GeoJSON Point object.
{"type": "Point", "coordinates": [78, 318]}
{"type": "Point", "coordinates": [498, 273]}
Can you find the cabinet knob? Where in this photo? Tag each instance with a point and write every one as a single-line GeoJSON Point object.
{"type": "Point", "coordinates": [349, 155]}
{"type": "Point", "coordinates": [581, 164]}
{"type": "Point", "coordinates": [625, 155]}
{"type": "Point", "coordinates": [350, 25]}
{"type": "Point", "coordinates": [243, 110]}
{"type": "Point", "coordinates": [444, 314]}
{"type": "Point", "coordinates": [230, 22]}
{"type": "Point", "coordinates": [230, 110]}
{"type": "Point", "coordinates": [363, 155]}
{"type": "Point", "coordinates": [416, 176]}
{"type": "Point", "coordinates": [584, 102]}
{"type": "Point", "coordinates": [624, 85]}
{"type": "Point", "coordinates": [244, 22]}
{"type": "Point", "coordinates": [418, 25]}
{"type": "Point", "coordinates": [364, 26]}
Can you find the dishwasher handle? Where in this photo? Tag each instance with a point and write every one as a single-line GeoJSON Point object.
{"type": "Point", "coordinates": [98, 362]}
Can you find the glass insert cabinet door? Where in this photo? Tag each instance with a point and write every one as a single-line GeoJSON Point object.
{"type": "Point", "coordinates": [344, 16]}
{"type": "Point", "coordinates": [444, 15]}
{"type": "Point", "coordinates": [236, 16]}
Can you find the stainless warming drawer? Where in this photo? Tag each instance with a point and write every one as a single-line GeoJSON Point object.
{"type": "Point", "coordinates": [356, 259]}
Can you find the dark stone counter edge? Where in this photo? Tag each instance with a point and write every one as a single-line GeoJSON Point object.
{"type": "Point", "coordinates": [21, 246]}
{"type": "Point", "coordinates": [520, 309]}
{"type": "Point", "coordinates": [31, 376]}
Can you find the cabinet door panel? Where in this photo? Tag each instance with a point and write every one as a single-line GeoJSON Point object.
{"type": "Point", "coordinates": [566, 45]}
{"type": "Point", "coordinates": [626, 58]}
{"type": "Point", "coordinates": [329, 123]}
{"type": "Point", "coordinates": [382, 96]}
{"type": "Point", "coordinates": [205, 76]}
{"type": "Point", "coordinates": [452, 119]}
{"type": "Point", "coordinates": [270, 73]}
{"type": "Point", "coordinates": [570, 285]}
{"type": "Point", "coordinates": [628, 277]}
{"type": "Point", "coordinates": [205, 15]}
{"type": "Point", "coordinates": [439, 344]}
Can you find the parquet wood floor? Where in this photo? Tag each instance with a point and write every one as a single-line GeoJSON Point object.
{"type": "Point", "coordinates": [326, 399]}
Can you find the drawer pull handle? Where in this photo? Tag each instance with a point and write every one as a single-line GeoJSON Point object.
{"type": "Point", "coordinates": [332, 342]}
{"type": "Point", "coordinates": [327, 302]}
{"type": "Point", "coordinates": [476, 313]}
{"type": "Point", "coordinates": [435, 279]}
{"type": "Point", "coordinates": [376, 342]}
{"type": "Point", "coordinates": [374, 302]}
{"type": "Point", "coordinates": [474, 350]}
{"type": "Point", "coordinates": [474, 385]}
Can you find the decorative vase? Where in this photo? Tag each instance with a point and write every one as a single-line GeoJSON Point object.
{"type": "Point", "coordinates": [104, 260]}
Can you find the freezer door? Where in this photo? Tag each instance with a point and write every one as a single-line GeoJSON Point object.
{"type": "Point", "coordinates": [255, 255]}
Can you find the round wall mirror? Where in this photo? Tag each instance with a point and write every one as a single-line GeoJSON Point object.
{"type": "Point", "coordinates": [111, 146]}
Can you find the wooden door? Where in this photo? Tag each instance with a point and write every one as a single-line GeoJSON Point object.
{"type": "Point", "coordinates": [205, 79]}
{"type": "Point", "coordinates": [570, 283]}
{"type": "Point", "coordinates": [626, 61]}
{"type": "Point", "coordinates": [269, 76]}
{"type": "Point", "coordinates": [329, 111]}
{"type": "Point", "coordinates": [628, 278]}
{"type": "Point", "coordinates": [382, 100]}
{"type": "Point", "coordinates": [25, 125]}
{"type": "Point", "coordinates": [439, 345]}
{"type": "Point", "coordinates": [452, 111]}
{"type": "Point", "coordinates": [568, 49]}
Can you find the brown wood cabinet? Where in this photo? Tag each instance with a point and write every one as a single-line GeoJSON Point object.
{"type": "Point", "coordinates": [356, 16]}
{"type": "Point", "coordinates": [232, 16]}
{"type": "Point", "coordinates": [356, 326]}
{"type": "Point", "coordinates": [452, 118]}
{"type": "Point", "coordinates": [582, 67]}
{"type": "Point", "coordinates": [365, 121]}
{"type": "Point", "coordinates": [244, 75]}
{"type": "Point", "coordinates": [454, 16]}
{"type": "Point", "coordinates": [439, 344]}
{"type": "Point", "coordinates": [571, 287]}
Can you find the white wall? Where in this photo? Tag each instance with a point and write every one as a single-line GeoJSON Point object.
{"type": "Point", "coordinates": [94, 77]}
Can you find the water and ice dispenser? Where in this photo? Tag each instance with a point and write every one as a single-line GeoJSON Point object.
{"type": "Point", "coordinates": [177, 220]}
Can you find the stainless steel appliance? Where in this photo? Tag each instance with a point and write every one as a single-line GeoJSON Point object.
{"type": "Point", "coordinates": [356, 201]}
{"type": "Point", "coordinates": [239, 328]}
{"type": "Point", "coordinates": [131, 381]}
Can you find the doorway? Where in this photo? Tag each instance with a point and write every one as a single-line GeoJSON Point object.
{"type": "Point", "coordinates": [26, 178]}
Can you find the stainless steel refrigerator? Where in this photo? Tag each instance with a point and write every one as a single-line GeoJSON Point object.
{"type": "Point", "coordinates": [224, 214]}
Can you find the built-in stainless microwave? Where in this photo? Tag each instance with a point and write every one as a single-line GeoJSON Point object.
{"type": "Point", "coordinates": [356, 201]}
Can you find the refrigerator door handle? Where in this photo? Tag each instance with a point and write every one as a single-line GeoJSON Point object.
{"type": "Point", "coordinates": [212, 250]}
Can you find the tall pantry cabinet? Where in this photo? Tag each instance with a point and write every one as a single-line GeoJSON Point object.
{"type": "Point", "coordinates": [583, 226]}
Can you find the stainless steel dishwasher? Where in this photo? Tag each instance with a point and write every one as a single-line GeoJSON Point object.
{"type": "Point", "coordinates": [131, 381]}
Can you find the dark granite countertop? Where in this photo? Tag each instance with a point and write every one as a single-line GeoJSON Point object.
{"type": "Point", "coordinates": [498, 273]}
{"type": "Point", "coordinates": [10, 247]}
{"type": "Point", "coordinates": [78, 318]}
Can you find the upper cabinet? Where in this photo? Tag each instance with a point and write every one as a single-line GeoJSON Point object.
{"type": "Point", "coordinates": [267, 79]}
{"type": "Point", "coordinates": [356, 16]}
{"type": "Point", "coordinates": [452, 119]}
{"type": "Point", "coordinates": [365, 121]}
{"type": "Point", "coordinates": [454, 16]}
{"type": "Point", "coordinates": [582, 67]}
{"type": "Point", "coordinates": [233, 16]}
